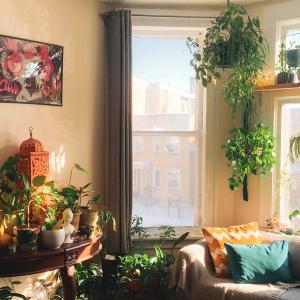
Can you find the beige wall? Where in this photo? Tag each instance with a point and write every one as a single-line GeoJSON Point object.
{"type": "Point", "coordinates": [74, 132]}
{"type": "Point", "coordinates": [261, 203]}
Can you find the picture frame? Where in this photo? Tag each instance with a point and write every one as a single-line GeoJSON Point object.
{"type": "Point", "coordinates": [31, 72]}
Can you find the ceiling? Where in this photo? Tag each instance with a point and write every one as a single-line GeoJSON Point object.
{"type": "Point", "coordinates": [174, 3]}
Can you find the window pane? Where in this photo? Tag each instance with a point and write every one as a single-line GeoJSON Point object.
{"type": "Point", "coordinates": [290, 174]}
{"type": "Point", "coordinates": [163, 85]}
{"type": "Point", "coordinates": [164, 182]}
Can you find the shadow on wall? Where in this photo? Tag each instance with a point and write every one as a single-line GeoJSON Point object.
{"type": "Point", "coordinates": [9, 145]}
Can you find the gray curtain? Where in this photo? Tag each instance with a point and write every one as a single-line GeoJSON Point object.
{"type": "Point", "coordinates": [118, 124]}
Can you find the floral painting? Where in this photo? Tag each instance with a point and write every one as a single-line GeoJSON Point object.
{"type": "Point", "coordinates": [30, 72]}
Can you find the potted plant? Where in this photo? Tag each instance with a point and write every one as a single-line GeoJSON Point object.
{"type": "Point", "coordinates": [249, 152]}
{"type": "Point", "coordinates": [12, 210]}
{"type": "Point", "coordinates": [285, 75]}
{"type": "Point", "coordinates": [89, 216]}
{"type": "Point", "coordinates": [71, 198]}
{"type": "Point", "coordinates": [52, 234]}
{"type": "Point", "coordinates": [293, 56]}
{"type": "Point", "coordinates": [247, 51]}
{"type": "Point", "coordinates": [34, 197]}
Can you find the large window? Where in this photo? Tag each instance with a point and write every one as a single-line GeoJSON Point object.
{"type": "Point", "coordinates": [288, 187]}
{"type": "Point", "coordinates": [168, 122]}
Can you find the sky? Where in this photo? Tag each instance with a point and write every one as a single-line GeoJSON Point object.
{"type": "Point", "coordinates": [162, 60]}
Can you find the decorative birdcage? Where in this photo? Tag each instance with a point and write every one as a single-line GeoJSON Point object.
{"type": "Point", "coordinates": [33, 160]}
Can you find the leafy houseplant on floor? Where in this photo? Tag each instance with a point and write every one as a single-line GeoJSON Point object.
{"type": "Point", "coordinates": [52, 234]}
{"type": "Point", "coordinates": [7, 292]}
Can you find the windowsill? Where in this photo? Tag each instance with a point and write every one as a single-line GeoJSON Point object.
{"type": "Point", "coordinates": [195, 235]}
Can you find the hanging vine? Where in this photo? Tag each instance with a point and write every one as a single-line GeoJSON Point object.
{"type": "Point", "coordinates": [235, 41]}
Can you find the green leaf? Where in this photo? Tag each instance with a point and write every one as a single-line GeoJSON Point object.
{"type": "Point", "coordinates": [79, 168]}
{"type": "Point", "coordinates": [294, 214]}
{"type": "Point", "coordinates": [39, 181]}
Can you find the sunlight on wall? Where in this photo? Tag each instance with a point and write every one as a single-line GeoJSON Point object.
{"type": "Point", "coordinates": [57, 162]}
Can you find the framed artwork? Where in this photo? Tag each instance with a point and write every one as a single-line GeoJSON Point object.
{"type": "Point", "coordinates": [31, 72]}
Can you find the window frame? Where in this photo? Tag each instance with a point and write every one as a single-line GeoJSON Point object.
{"type": "Point", "coordinates": [198, 134]}
{"type": "Point", "coordinates": [279, 103]}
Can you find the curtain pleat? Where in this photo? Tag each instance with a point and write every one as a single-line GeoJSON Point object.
{"type": "Point", "coordinates": [118, 195]}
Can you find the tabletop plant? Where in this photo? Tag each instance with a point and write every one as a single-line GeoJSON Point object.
{"type": "Point", "coordinates": [12, 208]}
{"type": "Point", "coordinates": [234, 41]}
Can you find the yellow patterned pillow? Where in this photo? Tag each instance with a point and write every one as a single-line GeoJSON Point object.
{"type": "Point", "coordinates": [216, 237]}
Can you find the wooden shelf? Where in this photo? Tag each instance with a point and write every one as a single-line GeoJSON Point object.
{"type": "Point", "coordinates": [277, 87]}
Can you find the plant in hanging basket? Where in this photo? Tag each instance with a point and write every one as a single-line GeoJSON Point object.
{"type": "Point", "coordinates": [234, 40]}
{"type": "Point", "coordinates": [249, 152]}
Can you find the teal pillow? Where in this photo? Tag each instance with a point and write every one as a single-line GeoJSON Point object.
{"type": "Point", "coordinates": [264, 263]}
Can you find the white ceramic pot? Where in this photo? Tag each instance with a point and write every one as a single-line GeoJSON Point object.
{"type": "Point", "coordinates": [53, 239]}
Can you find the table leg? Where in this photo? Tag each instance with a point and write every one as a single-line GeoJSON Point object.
{"type": "Point", "coordinates": [68, 282]}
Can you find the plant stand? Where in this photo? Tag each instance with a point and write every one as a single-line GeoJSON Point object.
{"type": "Point", "coordinates": [63, 259]}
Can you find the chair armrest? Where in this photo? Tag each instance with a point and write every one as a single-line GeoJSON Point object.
{"type": "Point", "coordinates": [193, 262]}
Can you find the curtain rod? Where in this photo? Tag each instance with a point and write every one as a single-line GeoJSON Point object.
{"type": "Point", "coordinates": [169, 16]}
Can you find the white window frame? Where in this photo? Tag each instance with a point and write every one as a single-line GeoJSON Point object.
{"type": "Point", "coordinates": [200, 124]}
{"type": "Point", "coordinates": [282, 28]}
{"type": "Point", "coordinates": [279, 103]}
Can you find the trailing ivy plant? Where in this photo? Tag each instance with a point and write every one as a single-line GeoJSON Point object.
{"type": "Point", "coordinates": [249, 152]}
{"type": "Point", "coordinates": [234, 40]}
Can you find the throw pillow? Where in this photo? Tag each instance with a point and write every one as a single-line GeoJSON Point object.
{"type": "Point", "coordinates": [216, 237]}
{"type": "Point", "coordinates": [264, 263]}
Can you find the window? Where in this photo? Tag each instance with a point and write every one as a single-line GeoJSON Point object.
{"type": "Point", "coordinates": [156, 144]}
{"type": "Point", "coordinates": [138, 144]}
{"type": "Point", "coordinates": [168, 108]}
{"type": "Point", "coordinates": [173, 180]}
{"type": "Point", "coordinates": [172, 144]}
{"type": "Point", "coordinates": [288, 187]}
{"type": "Point", "coordinates": [156, 177]}
{"type": "Point", "coordinates": [287, 32]}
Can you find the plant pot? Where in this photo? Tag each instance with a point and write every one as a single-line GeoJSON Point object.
{"type": "Point", "coordinates": [27, 237]}
{"type": "Point", "coordinates": [229, 52]}
{"type": "Point", "coordinates": [285, 77]}
{"type": "Point", "coordinates": [5, 240]}
{"type": "Point", "coordinates": [88, 217]}
{"type": "Point", "coordinates": [53, 239]}
{"type": "Point", "coordinates": [136, 286]}
{"type": "Point", "coordinates": [75, 222]}
{"type": "Point", "coordinates": [293, 57]}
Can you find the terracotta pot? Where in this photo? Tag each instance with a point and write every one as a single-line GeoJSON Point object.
{"type": "Point", "coordinates": [27, 237]}
{"type": "Point", "coordinates": [136, 286]}
{"type": "Point", "coordinates": [53, 239]}
{"type": "Point", "coordinates": [5, 240]}
{"type": "Point", "coordinates": [88, 217]}
{"type": "Point", "coordinates": [75, 222]}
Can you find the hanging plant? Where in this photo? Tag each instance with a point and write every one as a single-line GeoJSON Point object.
{"type": "Point", "coordinates": [234, 40]}
{"type": "Point", "coordinates": [249, 152]}
{"type": "Point", "coordinates": [294, 150]}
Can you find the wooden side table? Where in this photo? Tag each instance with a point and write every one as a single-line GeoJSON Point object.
{"type": "Point", "coordinates": [63, 259]}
